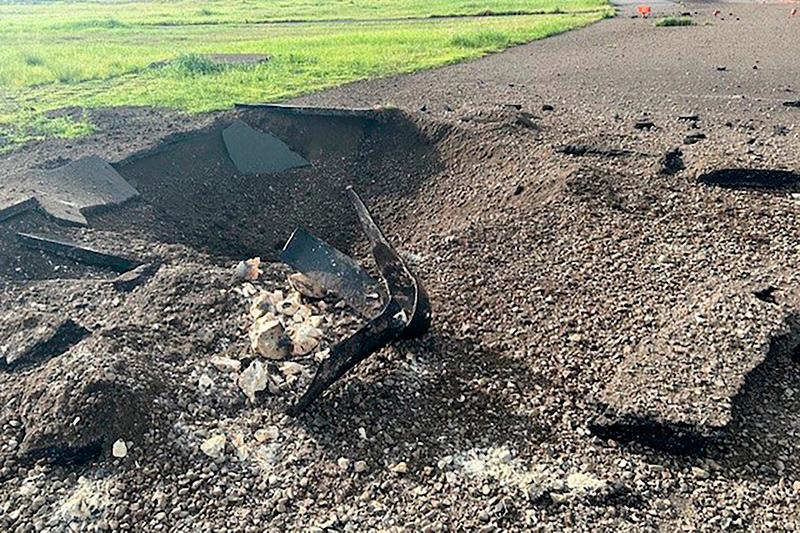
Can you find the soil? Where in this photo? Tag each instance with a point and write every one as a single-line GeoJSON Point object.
{"type": "Point", "coordinates": [614, 337]}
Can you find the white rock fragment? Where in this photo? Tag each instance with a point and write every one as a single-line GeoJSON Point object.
{"type": "Point", "coordinates": [119, 449]}
{"type": "Point", "coordinates": [321, 355]}
{"type": "Point", "coordinates": [242, 451]}
{"type": "Point", "coordinates": [254, 379]}
{"type": "Point", "coordinates": [267, 434]}
{"type": "Point", "coordinates": [305, 338]}
{"type": "Point", "coordinates": [579, 481]}
{"type": "Point", "coordinates": [399, 468]}
{"type": "Point", "coordinates": [247, 270]}
{"type": "Point", "coordinates": [205, 384]}
{"type": "Point", "coordinates": [262, 305]}
{"type": "Point", "coordinates": [344, 463]}
{"type": "Point", "coordinates": [214, 447]}
{"type": "Point", "coordinates": [226, 364]}
{"type": "Point", "coordinates": [306, 286]}
{"type": "Point", "coordinates": [289, 305]}
{"type": "Point", "coordinates": [248, 289]}
{"type": "Point", "coordinates": [360, 466]}
{"type": "Point", "coordinates": [290, 368]}
{"type": "Point", "coordinates": [268, 338]}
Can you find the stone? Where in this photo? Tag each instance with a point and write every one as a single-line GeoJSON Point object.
{"type": "Point", "coordinates": [360, 466]}
{"type": "Point", "coordinates": [214, 446]}
{"type": "Point", "coordinates": [580, 481]}
{"type": "Point", "coordinates": [267, 434]}
{"type": "Point", "coordinates": [399, 468]}
{"type": "Point", "coordinates": [247, 270]}
{"type": "Point", "coordinates": [242, 451]}
{"type": "Point", "coordinates": [262, 305]}
{"type": "Point", "coordinates": [119, 449]}
{"type": "Point", "coordinates": [344, 463]}
{"type": "Point", "coordinates": [305, 339]}
{"type": "Point", "coordinates": [226, 364]}
{"type": "Point", "coordinates": [290, 368]}
{"type": "Point", "coordinates": [268, 338]}
{"type": "Point", "coordinates": [289, 305]}
{"type": "Point", "coordinates": [254, 379]}
{"type": "Point", "coordinates": [205, 384]}
{"type": "Point", "coordinates": [306, 286]}
{"type": "Point", "coordinates": [699, 473]}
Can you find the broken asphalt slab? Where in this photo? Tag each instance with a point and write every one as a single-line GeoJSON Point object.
{"type": "Point", "coordinates": [78, 253]}
{"type": "Point", "coordinates": [255, 152]}
{"type": "Point", "coordinates": [677, 389]}
{"type": "Point", "coordinates": [94, 393]}
{"type": "Point", "coordinates": [67, 192]}
{"type": "Point", "coordinates": [35, 337]}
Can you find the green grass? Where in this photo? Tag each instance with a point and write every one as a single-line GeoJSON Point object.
{"type": "Point", "coordinates": [674, 21]}
{"type": "Point", "coordinates": [142, 52]}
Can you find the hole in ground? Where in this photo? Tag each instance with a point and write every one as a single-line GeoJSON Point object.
{"type": "Point", "coordinates": [193, 194]}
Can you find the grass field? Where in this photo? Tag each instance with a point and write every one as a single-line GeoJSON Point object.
{"type": "Point", "coordinates": [145, 52]}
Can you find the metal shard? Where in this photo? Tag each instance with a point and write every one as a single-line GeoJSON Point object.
{"type": "Point", "coordinates": [406, 313]}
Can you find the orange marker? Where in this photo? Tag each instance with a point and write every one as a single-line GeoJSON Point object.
{"type": "Point", "coordinates": [644, 11]}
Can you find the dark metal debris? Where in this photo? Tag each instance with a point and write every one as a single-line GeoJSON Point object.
{"type": "Point", "coordinates": [579, 150]}
{"type": "Point", "coordinates": [672, 162]}
{"type": "Point", "coordinates": [406, 312]}
{"type": "Point", "coordinates": [335, 271]}
{"type": "Point", "coordinates": [694, 138]}
{"type": "Point", "coordinates": [78, 253]}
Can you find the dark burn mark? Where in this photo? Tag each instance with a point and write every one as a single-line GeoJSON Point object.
{"type": "Point", "coordinates": [672, 162]}
{"type": "Point", "coordinates": [750, 178]}
{"type": "Point", "coordinates": [579, 150]}
{"type": "Point", "coordinates": [766, 294]}
{"type": "Point", "coordinates": [679, 439]}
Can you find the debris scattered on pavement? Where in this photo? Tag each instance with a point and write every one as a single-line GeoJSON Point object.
{"type": "Point", "coordinates": [406, 311]}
